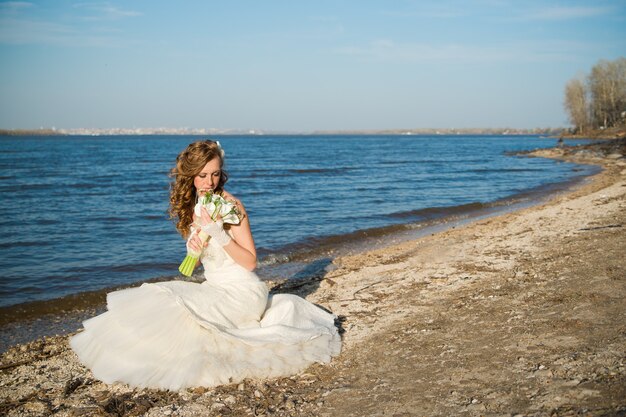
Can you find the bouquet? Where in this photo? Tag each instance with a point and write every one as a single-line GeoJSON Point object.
{"type": "Point", "coordinates": [217, 206]}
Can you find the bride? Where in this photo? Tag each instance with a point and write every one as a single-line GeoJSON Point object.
{"type": "Point", "coordinates": [177, 334]}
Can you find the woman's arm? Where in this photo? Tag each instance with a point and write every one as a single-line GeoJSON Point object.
{"type": "Point", "coordinates": [241, 248]}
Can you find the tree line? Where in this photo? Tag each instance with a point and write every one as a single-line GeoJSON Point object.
{"type": "Point", "coordinates": [598, 101]}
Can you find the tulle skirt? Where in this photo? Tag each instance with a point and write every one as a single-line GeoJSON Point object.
{"type": "Point", "coordinates": [174, 335]}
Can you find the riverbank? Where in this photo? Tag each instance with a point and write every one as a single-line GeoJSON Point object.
{"type": "Point", "coordinates": [602, 134]}
{"type": "Point", "coordinates": [517, 314]}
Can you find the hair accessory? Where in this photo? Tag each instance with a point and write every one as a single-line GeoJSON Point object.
{"type": "Point", "coordinates": [222, 153]}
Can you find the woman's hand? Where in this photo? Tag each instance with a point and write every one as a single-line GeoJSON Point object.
{"type": "Point", "coordinates": [215, 229]}
{"type": "Point", "coordinates": [205, 217]}
{"type": "Point", "coordinates": [194, 243]}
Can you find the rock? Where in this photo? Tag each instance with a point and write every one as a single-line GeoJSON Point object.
{"type": "Point", "coordinates": [200, 390]}
{"type": "Point", "coordinates": [37, 407]}
{"type": "Point", "coordinates": [614, 156]}
{"type": "Point", "coordinates": [217, 405]}
{"type": "Point", "coordinates": [85, 411]}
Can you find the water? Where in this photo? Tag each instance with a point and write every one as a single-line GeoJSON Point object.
{"type": "Point", "coordinates": [85, 213]}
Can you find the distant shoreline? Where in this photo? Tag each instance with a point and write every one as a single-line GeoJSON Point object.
{"type": "Point", "coordinates": [257, 132]}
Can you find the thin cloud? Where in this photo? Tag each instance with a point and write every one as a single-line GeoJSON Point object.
{"type": "Point", "coordinates": [65, 28]}
{"type": "Point", "coordinates": [14, 6]}
{"type": "Point", "coordinates": [568, 13]}
{"type": "Point", "coordinates": [26, 31]}
{"type": "Point", "coordinates": [19, 26]}
{"type": "Point", "coordinates": [23, 31]}
{"type": "Point", "coordinates": [325, 19]}
{"type": "Point", "coordinates": [431, 11]}
{"type": "Point", "coordinates": [106, 11]}
{"type": "Point", "coordinates": [385, 50]}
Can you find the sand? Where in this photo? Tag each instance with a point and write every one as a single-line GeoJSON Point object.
{"type": "Point", "coordinates": [521, 314]}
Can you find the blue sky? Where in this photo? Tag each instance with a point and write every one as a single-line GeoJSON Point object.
{"type": "Point", "coordinates": [299, 65]}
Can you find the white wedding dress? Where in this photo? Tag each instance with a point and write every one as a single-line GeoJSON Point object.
{"type": "Point", "coordinates": [174, 335]}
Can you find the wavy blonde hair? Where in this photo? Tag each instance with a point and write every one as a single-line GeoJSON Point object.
{"type": "Point", "coordinates": [189, 163]}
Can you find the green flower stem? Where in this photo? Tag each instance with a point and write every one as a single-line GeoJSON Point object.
{"type": "Point", "coordinates": [189, 263]}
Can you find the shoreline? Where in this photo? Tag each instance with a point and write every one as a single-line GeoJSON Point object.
{"type": "Point", "coordinates": [520, 313]}
{"type": "Point", "coordinates": [309, 260]}
{"type": "Point", "coordinates": [212, 132]}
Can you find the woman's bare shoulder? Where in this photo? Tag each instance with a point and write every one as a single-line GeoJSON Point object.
{"type": "Point", "coordinates": [229, 196]}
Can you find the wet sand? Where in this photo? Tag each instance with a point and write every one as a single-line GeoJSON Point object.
{"type": "Point", "coordinates": [519, 314]}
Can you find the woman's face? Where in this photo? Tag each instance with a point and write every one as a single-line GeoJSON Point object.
{"type": "Point", "coordinates": [209, 177]}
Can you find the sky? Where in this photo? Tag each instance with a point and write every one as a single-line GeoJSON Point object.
{"type": "Point", "coordinates": [295, 65]}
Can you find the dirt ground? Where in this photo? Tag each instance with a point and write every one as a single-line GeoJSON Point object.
{"type": "Point", "coordinates": [523, 314]}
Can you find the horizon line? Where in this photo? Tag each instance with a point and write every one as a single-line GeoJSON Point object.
{"type": "Point", "coordinates": [260, 132]}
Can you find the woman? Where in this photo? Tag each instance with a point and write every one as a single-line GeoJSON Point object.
{"type": "Point", "coordinates": [177, 334]}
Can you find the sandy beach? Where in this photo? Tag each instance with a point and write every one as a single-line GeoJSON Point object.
{"type": "Point", "coordinates": [523, 314]}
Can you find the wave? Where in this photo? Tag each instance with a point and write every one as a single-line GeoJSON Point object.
{"type": "Point", "coordinates": [132, 267]}
{"type": "Point", "coordinates": [321, 170]}
{"type": "Point", "coordinates": [26, 244]}
{"type": "Point", "coordinates": [20, 187]}
{"type": "Point", "coordinates": [154, 217]}
{"type": "Point", "coordinates": [502, 170]}
{"type": "Point", "coordinates": [110, 219]}
{"type": "Point", "coordinates": [437, 212]}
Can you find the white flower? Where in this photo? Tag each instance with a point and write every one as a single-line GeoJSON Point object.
{"type": "Point", "coordinates": [216, 205]}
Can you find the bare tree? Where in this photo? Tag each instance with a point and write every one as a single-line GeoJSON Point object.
{"type": "Point", "coordinates": [607, 86]}
{"type": "Point", "coordinates": [576, 105]}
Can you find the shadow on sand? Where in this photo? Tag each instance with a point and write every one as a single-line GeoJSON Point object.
{"type": "Point", "coordinates": [306, 281]}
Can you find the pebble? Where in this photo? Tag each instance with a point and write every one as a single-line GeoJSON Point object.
{"type": "Point", "coordinates": [217, 405]}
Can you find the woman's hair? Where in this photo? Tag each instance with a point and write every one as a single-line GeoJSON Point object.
{"type": "Point", "coordinates": [189, 163]}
